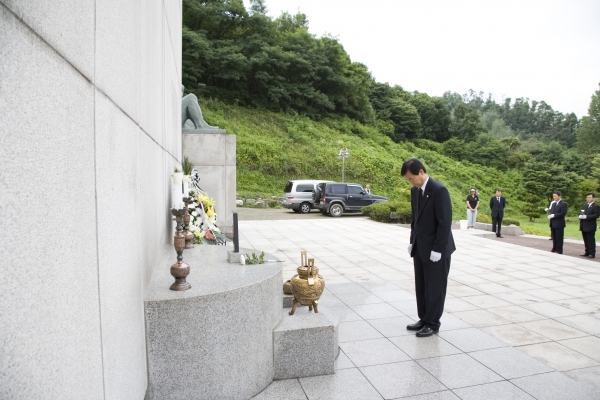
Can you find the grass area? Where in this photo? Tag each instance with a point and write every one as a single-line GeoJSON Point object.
{"type": "Point", "coordinates": [273, 148]}
{"type": "Point", "coordinates": [541, 227]}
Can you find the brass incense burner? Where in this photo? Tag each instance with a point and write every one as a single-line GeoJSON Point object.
{"type": "Point", "coordinates": [307, 285]}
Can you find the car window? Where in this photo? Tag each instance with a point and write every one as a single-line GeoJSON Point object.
{"type": "Point", "coordinates": [338, 189]}
{"type": "Point", "coordinates": [354, 189]}
{"type": "Point", "coordinates": [305, 188]}
{"type": "Point", "coordinates": [288, 187]}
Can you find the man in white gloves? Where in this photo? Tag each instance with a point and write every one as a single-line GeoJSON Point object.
{"type": "Point", "coordinates": [590, 212]}
{"type": "Point", "coordinates": [431, 244]}
{"type": "Point", "coordinates": [557, 221]}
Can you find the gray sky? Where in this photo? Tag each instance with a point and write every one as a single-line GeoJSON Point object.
{"type": "Point", "coordinates": [538, 49]}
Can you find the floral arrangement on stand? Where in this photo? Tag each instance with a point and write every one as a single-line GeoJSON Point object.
{"type": "Point", "coordinates": [203, 220]}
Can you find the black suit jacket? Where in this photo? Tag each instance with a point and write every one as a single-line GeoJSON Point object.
{"type": "Point", "coordinates": [592, 213]}
{"type": "Point", "coordinates": [497, 207]}
{"type": "Point", "coordinates": [432, 221]}
{"type": "Point", "coordinates": [559, 210]}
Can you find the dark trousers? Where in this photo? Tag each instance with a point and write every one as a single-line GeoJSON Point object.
{"type": "Point", "coordinates": [431, 281]}
{"type": "Point", "coordinates": [497, 220]}
{"type": "Point", "coordinates": [589, 238]}
{"type": "Point", "coordinates": [558, 235]}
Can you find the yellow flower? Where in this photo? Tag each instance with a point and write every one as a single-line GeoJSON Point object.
{"type": "Point", "coordinates": [211, 212]}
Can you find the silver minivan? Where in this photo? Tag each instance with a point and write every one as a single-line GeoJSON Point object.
{"type": "Point", "coordinates": [297, 195]}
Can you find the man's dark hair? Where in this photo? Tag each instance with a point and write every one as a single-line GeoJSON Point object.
{"type": "Point", "coordinates": [499, 190]}
{"type": "Point", "coordinates": [414, 166]}
{"type": "Point", "coordinates": [557, 192]}
{"type": "Point", "coordinates": [590, 194]}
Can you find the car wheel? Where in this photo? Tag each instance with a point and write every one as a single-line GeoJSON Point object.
{"type": "Point", "coordinates": [336, 210]}
{"type": "Point", "coordinates": [305, 208]}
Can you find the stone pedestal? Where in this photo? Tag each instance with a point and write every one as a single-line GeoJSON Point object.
{"type": "Point", "coordinates": [214, 341]}
{"type": "Point", "coordinates": [305, 344]}
{"type": "Point", "coordinates": [214, 156]}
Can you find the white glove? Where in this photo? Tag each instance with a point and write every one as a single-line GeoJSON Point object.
{"type": "Point", "coordinates": [435, 257]}
{"type": "Point", "coordinates": [546, 209]}
{"type": "Point", "coordinates": [582, 216]}
{"type": "Point", "coordinates": [550, 216]}
{"type": "Point", "coordinates": [410, 249]}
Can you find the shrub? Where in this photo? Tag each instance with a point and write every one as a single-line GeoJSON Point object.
{"type": "Point", "coordinates": [273, 203]}
{"type": "Point", "coordinates": [532, 230]}
{"type": "Point", "coordinates": [381, 211]}
{"type": "Point", "coordinates": [484, 218]}
{"type": "Point", "coordinates": [510, 221]}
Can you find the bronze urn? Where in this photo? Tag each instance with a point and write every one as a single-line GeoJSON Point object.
{"type": "Point", "coordinates": [307, 285]}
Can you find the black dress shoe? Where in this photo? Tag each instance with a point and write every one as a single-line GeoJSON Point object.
{"type": "Point", "coordinates": [591, 256]}
{"type": "Point", "coordinates": [416, 326]}
{"type": "Point", "coordinates": [500, 236]}
{"type": "Point", "coordinates": [554, 251]}
{"type": "Point", "coordinates": [426, 331]}
{"type": "Point", "coordinates": [584, 255]}
{"type": "Point", "coordinates": [558, 252]}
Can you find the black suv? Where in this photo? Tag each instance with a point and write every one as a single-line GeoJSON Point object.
{"type": "Point", "coordinates": [333, 198]}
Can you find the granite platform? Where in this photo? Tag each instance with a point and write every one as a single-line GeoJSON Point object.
{"type": "Point", "coordinates": [305, 344]}
{"type": "Point", "coordinates": [214, 340]}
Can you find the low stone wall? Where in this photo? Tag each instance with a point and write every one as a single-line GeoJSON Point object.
{"type": "Point", "coordinates": [215, 340]}
{"type": "Point", "coordinates": [511, 230]}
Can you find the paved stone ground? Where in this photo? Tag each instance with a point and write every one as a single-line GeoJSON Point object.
{"type": "Point", "coordinates": [571, 247]}
{"type": "Point", "coordinates": [520, 323]}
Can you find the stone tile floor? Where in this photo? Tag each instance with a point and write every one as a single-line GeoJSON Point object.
{"type": "Point", "coordinates": [519, 323]}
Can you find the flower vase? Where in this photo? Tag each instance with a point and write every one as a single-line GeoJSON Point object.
{"type": "Point", "coordinates": [177, 178]}
{"type": "Point", "coordinates": [179, 270]}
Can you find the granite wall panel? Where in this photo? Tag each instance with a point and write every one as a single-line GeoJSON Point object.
{"type": "Point", "coordinates": [67, 26]}
{"type": "Point", "coordinates": [49, 310]}
{"type": "Point", "coordinates": [90, 100]}
{"type": "Point", "coordinates": [120, 242]}
{"type": "Point", "coordinates": [150, 92]}
{"type": "Point", "coordinates": [118, 52]}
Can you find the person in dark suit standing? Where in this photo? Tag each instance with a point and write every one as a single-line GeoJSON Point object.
{"type": "Point", "coordinates": [497, 204]}
{"type": "Point", "coordinates": [587, 224]}
{"type": "Point", "coordinates": [431, 244]}
{"type": "Point", "coordinates": [557, 221]}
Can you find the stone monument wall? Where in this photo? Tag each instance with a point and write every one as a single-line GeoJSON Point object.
{"type": "Point", "coordinates": [214, 156]}
{"type": "Point", "coordinates": [90, 131]}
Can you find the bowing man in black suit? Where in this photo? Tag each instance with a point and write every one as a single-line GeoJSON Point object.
{"type": "Point", "coordinates": [431, 245]}
{"type": "Point", "coordinates": [497, 204]}
{"type": "Point", "coordinates": [587, 225]}
{"type": "Point", "coordinates": [557, 221]}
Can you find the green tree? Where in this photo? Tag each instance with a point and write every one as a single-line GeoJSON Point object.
{"type": "Point", "coordinates": [406, 120]}
{"type": "Point", "coordinates": [451, 100]}
{"type": "Point", "coordinates": [588, 132]}
{"type": "Point", "coordinates": [435, 117]}
{"type": "Point", "coordinates": [466, 123]}
{"type": "Point", "coordinates": [536, 179]}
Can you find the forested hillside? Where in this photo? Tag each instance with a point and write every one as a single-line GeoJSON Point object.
{"type": "Point", "coordinates": [293, 99]}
